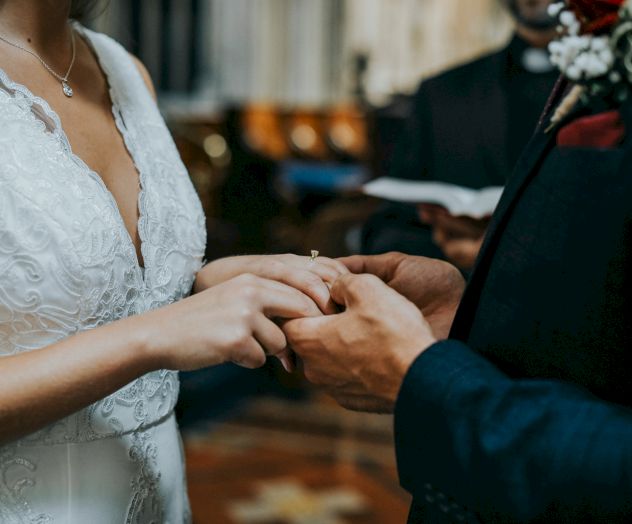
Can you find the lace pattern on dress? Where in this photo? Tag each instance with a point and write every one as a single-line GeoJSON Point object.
{"type": "Point", "coordinates": [67, 263]}
{"type": "Point", "coordinates": [16, 474]}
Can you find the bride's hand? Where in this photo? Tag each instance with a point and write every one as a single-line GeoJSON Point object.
{"type": "Point", "coordinates": [230, 322]}
{"type": "Point", "coordinates": [311, 277]}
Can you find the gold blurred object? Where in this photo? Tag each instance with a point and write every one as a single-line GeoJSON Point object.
{"type": "Point", "coordinates": [305, 134]}
{"type": "Point", "coordinates": [314, 256]}
{"type": "Point", "coordinates": [207, 157]}
{"type": "Point", "coordinates": [304, 137]}
{"type": "Point", "coordinates": [347, 131]}
{"type": "Point", "coordinates": [216, 148]}
{"type": "Point", "coordinates": [263, 131]}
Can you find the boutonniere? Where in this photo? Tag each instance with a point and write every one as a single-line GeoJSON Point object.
{"type": "Point", "coordinates": [594, 51]}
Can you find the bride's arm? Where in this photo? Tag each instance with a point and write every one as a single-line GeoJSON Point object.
{"type": "Point", "coordinates": [229, 322]}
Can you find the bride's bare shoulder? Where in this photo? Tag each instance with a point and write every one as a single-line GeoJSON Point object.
{"type": "Point", "coordinates": [145, 74]}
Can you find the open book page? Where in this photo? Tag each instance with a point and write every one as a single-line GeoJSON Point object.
{"type": "Point", "coordinates": [459, 201]}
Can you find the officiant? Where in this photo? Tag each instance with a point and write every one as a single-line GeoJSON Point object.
{"type": "Point", "coordinates": [467, 127]}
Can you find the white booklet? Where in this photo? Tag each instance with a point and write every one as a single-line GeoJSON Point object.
{"type": "Point", "coordinates": [458, 200]}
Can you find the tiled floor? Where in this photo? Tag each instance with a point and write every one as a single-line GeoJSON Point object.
{"type": "Point", "coordinates": [289, 462]}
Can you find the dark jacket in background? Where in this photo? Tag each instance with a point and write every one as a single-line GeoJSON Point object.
{"type": "Point", "coordinates": [467, 127]}
{"type": "Point", "coordinates": [524, 415]}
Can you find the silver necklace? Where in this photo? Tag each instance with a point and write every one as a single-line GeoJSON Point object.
{"type": "Point", "coordinates": [65, 87]}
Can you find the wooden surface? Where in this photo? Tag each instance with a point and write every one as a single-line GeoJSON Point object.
{"type": "Point", "coordinates": [294, 460]}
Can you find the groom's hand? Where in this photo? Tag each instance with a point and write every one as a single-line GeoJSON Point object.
{"type": "Point", "coordinates": [434, 286]}
{"type": "Point", "coordinates": [361, 355]}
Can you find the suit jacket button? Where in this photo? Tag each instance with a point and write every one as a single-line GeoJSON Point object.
{"type": "Point", "coordinates": [430, 498]}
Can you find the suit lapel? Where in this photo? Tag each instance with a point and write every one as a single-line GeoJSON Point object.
{"type": "Point", "coordinates": [527, 168]}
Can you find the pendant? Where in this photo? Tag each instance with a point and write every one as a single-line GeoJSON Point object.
{"type": "Point", "coordinates": [67, 89]}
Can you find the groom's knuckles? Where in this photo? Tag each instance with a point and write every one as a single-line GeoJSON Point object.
{"type": "Point", "coordinates": [303, 334]}
{"type": "Point", "coordinates": [349, 289]}
{"type": "Point", "coordinates": [296, 331]}
{"type": "Point", "coordinates": [317, 374]}
{"type": "Point", "coordinates": [312, 375]}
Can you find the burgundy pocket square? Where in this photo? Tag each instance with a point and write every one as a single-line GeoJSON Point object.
{"type": "Point", "coordinates": [601, 131]}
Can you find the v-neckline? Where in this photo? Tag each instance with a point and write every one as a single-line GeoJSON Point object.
{"type": "Point", "coordinates": [141, 270]}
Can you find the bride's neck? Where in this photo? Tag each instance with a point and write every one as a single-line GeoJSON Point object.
{"type": "Point", "coordinates": [40, 25]}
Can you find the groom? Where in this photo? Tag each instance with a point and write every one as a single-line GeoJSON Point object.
{"type": "Point", "coordinates": [513, 399]}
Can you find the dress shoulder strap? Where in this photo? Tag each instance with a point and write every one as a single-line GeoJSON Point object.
{"type": "Point", "coordinates": [127, 86]}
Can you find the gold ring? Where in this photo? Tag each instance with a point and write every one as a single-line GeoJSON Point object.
{"type": "Point", "coordinates": [314, 255]}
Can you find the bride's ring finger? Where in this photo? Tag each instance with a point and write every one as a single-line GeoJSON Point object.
{"type": "Point", "coordinates": [324, 271]}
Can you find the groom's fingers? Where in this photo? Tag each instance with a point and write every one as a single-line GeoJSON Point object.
{"type": "Point", "coordinates": [355, 264]}
{"type": "Point", "coordinates": [309, 334]}
{"type": "Point", "coordinates": [382, 266]}
{"type": "Point", "coordinates": [352, 289]}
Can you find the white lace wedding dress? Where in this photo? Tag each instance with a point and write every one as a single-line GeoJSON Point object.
{"type": "Point", "coordinates": [67, 264]}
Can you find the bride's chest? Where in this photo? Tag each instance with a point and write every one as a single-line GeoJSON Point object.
{"type": "Point", "coordinates": [67, 261]}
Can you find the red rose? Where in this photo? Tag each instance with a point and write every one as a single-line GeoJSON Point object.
{"type": "Point", "coordinates": [596, 16]}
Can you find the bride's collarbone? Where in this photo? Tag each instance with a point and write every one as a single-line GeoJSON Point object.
{"type": "Point", "coordinates": [87, 122]}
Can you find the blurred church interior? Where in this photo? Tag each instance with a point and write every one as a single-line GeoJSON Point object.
{"type": "Point", "coordinates": [281, 109]}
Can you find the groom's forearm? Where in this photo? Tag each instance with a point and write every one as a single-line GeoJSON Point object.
{"type": "Point", "coordinates": [511, 449]}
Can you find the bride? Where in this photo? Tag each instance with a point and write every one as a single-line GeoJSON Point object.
{"type": "Point", "coordinates": [101, 244]}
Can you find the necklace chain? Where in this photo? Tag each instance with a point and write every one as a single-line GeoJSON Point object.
{"type": "Point", "coordinates": [62, 79]}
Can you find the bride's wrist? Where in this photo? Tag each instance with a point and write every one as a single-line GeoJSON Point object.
{"type": "Point", "coordinates": [149, 353]}
{"type": "Point", "coordinates": [203, 278]}
{"type": "Point", "coordinates": [216, 272]}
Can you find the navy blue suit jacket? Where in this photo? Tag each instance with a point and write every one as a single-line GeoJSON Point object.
{"type": "Point", "coordinates": [524, 414]}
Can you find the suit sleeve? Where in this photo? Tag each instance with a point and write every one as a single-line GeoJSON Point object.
{"type": "Point", "coordinates": [511, 450]}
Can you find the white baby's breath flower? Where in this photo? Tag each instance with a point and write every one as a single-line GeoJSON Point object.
{"type": "Point", "coordinates": [556, 9]}
{"type": "Point", "coordinates": [574, 72]}
{"type": "Point", "coordinates": [570, 23]}
{"type": "Point", "coordinates": [599, 44]}
{"type": "Point", "coordinates": [582, 57]}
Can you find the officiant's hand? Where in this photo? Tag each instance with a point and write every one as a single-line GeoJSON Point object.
{"type": "Point", "coordinates": [362, 355]}
{"type": "Point", "coordinates": [459, 237]}
{"type": "Point", "coordinates": [434, 286]}
{"type": "Point", "coordinates": [311, 277]}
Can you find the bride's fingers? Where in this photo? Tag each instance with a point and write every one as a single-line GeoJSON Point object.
{"type": "Point", "coordinates": [336, 265]}
{"type": "Point", "coordinates": [288, 301]}
{"type": "Point", "coordinates": [270, 336]}
{"type": "Point", "coordinates": [273, 341]}
{"type": "Point", "coordinates": [322, 270]}
{"type": "Point", "coordinates": [304, 280]}
{"type": "Point", "coordinates": [250, 355]}
{"type": "Point", "coordinates": [327, 268]}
